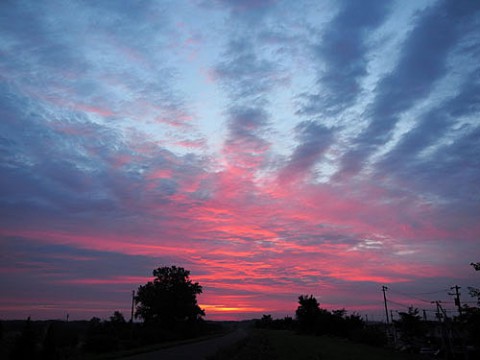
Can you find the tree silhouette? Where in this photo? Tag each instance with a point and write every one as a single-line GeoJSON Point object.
{"type": "Point", "coordinates": [470, 317]}
{"type": "Point", "coordinates": [169, 299]}
{"type": "Point", "coordinates": [412, 328]}
{"type": "Point", "coordinates": [117, 318]}
{"type": "Point", "coordinates": [475, 292]}
{"type": "Point", "coordinates": [265, 322]}
{"type": "Point", "coordinates": [308, 313]}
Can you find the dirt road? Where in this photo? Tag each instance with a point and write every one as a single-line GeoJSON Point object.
{"type": "Point", "coordinates": [194, 351]}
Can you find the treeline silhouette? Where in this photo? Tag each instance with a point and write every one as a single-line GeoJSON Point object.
{"type": "Point", "coordinates": [446, 338]}
{"type": "Point", "coordinates": [53, 339]}
{"type": "Point", "coordinates": [311, 319]}
{"type": "Point", "coordinates": [58, 340]}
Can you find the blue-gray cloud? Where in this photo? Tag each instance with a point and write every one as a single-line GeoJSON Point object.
{"type": "Point", "coordinates": [313, 141]}
{"type": "Point", "coordinates": [423, 62]}
{"type": "Point", "coordinates": [244, 74]}
{"type": "Point", "coordinates": [342, 54]}
{"type": "Point", "coordinates": [246, 127]}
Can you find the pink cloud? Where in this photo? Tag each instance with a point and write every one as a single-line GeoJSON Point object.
{"type": "Point", "coordinates": [192, 144]}
{"type": "Point", "coordinates": [263, 237]}
{"type": "Point", "coordinates": [160, 174]}
{"type": "Point", "coordinates": [130, 280]}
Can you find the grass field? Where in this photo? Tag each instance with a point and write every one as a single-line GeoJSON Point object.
{"type": "Point", "coordinates": [291, 346]}
{"type": "Point", "coordinates": [286, 345]}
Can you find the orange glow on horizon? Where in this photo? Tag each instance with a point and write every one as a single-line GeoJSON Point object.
{"type": "Point", "coordinates": [213, 309]}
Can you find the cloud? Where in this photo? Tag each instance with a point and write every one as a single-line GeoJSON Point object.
{"type": "Point", "coordinates": [423, 62]}
{"type": "Point", "coordinates": [117, 155]}
{"type": "Point", "coordinates": [433, 127]}
{"type": "Point", "coordinates": [245, 146]}
{"type": "Point", "coordinates": [342, 54]}
{"type": "Point", "coordinates": [314, 140]}
{"type": "Point", "coordinates": [247, 10]}
{"type": "Point", "coordinates": [245, 75]}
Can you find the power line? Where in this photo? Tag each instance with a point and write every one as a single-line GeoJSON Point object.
{"type": "Point", "coordinates": [414, 296]}
{"type": "Point", "coordinates": [409, 306]}
{"type": "Point", "coordinates": [399, 304]}
{"type": "Point", "coordinates": [411, 296]}
{"type": "Point", "coordinates": [446, 310]}
{"type": "Point", "coordinates": [428, 293]}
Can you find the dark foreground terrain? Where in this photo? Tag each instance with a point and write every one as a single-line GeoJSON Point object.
{"type": "Point", "coordinates": [96, 340]}
{"type": "Point", "coordinates": [286, 345]}
{"type": "Point", "coordinates": [197, 350]}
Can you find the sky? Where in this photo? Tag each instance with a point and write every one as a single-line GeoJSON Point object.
{"type": "Point", "coordinates": [273, 148]}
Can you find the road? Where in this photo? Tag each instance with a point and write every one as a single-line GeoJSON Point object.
{"type": "Point", "coordinates": [193, 351]}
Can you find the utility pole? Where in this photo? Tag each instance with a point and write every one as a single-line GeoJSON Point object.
{"type": "Point", "coordinates": [457, 298]}
{"type": "Point", "coordinates": [390, 332]}
{"type": "Point", "coordinates": [133, 305]}
{"type": "Point", "coordinates": [384, 288]}
{"type": "Point", "coordinates": [442, 325]}
{"type": "Point", "coordinates": [437, 314]}
{"type": "Point", "coordinates": [447, 342]}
